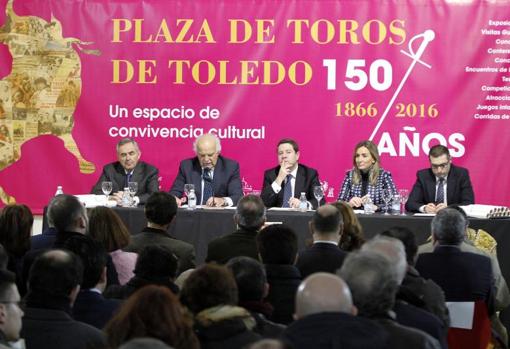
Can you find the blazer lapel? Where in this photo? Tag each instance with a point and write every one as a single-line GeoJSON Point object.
{"type": "Point", "coordinates": [450, 185]}
{"type": "Point", "coordinates": [431, 187]}
{"type": "Point", "coordinates": [300, 182]}
{"type": "Point", "coordinates": [218, 174]}
{"type": "Point", "coordinates": [119, 178]}
{"type": "Point", "coordinates": [196, 179]}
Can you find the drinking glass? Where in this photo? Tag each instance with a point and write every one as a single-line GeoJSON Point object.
{"type": "Point", "coordinates": [187, 188]}
{"type": "Point", "coordinates": [107, 188]}
{"type": "Point", "coordinates": [133, 188]}
{"type": "Point", "coordinates": [404, 195]}
{"type": "Point", "coordinates": [387, 194]}
{"type": "Point", "coordinates": [318, 193]}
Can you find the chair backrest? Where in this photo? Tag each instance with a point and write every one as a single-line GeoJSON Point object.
{"type": "Point", "coordinates": [478, 337]}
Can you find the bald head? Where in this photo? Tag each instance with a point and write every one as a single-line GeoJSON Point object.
{"type": "Point", "coordinates": [327, 223]}
{"type": "Point", "coordinates": [207, 147]}
{"type": "Point", "coordinates": [323, 292]}
{"type": "Point", "coordinates": [393, 250]}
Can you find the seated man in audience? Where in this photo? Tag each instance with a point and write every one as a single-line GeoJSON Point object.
{"type": "Point", "coordinates": [326, 317]}
{"type": "Point", "coordinates": [277, 246]}
{"type": "Point", "coordinates": [156, 265]}
{"type": "Point", "coordinates": [284, 183]}
{"type": "Point", "coordinates": [250, 217]}
{"type": "Point", "coordinates": [373, 282]}
{"type": "Point", "coordinates": [216, 178]}
{"type": "Point", "coordinates": [324, 255]}
{"type": "Point", "coordinates": [90, 306]}
{"type": "Point", "coordinates": [463, 276]}
{"type": "Point", "coordinates": [10, 310]}
{"type": "Point", "coordinates": [160, 211]}
{"type": "Point", "coordinates": [53, 285]}
{"type": "Point", "coordinates": [440, 185]}
{"type": "Point", "coordinates": [252, 288]}
{"type": "Point", "coordinates": [129, 168]}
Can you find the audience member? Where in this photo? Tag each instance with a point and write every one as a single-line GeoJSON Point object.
{"type": "Point", "coordinates": [47, 238]}
{"type": "Point", "coordinates": [373, 282]}
{"type": "Point", "coordinates": [326, 318]}
{"type": "Point", "coordinates": [90, 306]}
{"type": "Point", "coordinates": [210, 293]}
{"type": "Point", "coordinates": [10, 310]}
{"type": "Point", "coordinates": [252, 288]}
{"type": "Point", "coordinates": [352, 235]}
{"type": "Point", "coordinates": [277, 246]}
{"type": "Point", "coordinates": [324, 255]}
{"type": "Point", "coordinates": [160, 211]}
{"type": "Point", "coordinates": [156, 265]}
{"type": "Point", "coordinates": [145, 343]}
{"type": "Point", "coordinates": [4, 258]}
{"type": "Point", "coordinates": [106, 227]}
{"type": "Point", "coordinates": [53, 285]}
{"type": "Point", "coordinates": [155, 312]}
{"type": "Point", "coordinates": [250, 216]}
{"type": "Point", "coordinates": [269, 344]}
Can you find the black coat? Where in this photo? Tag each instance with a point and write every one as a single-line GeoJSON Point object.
{"type": "Point", "coordinates": [240, 243]}
{"type": "Point", "coordinates": [283, 282]}
{"type": "Point", "coordinates": [92, 308]}
{"type": "Point", "coordinates": [320, 257]}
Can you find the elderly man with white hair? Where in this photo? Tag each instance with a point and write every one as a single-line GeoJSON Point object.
{"type": "Point", "coordinates": [216, 179]}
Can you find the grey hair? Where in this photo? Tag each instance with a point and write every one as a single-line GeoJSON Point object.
{"type": "Point", "coordinates": [216, 139]}
{"type": "Point", "coordinates": [250, 212]}
{"type": "Point", "coordinates": [126, 141]}
{"type": "Point", "coordinates": [449, 226]}
{"type": "Point", "coordinates": [144, 343]}
{"type": "Point", "coordinates": [393, 250]}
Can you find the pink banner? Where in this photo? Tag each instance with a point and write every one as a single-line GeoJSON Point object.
{"type": "Point", "coordinates": [79, 75]}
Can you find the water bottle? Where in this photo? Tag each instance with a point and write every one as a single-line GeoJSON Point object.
{"type": "Point", "coordinates": [126, 198]}
{"type": "Point", "coordinates": [395, 204]}
{"type": "Point", "coordinates": [59, 190]}
{"type": "Point", "coordinates": [303, 203]}
{"type": "Point", "coordinates": [368, 206]}
{"type": "Point", "coordinates": [192, 200]}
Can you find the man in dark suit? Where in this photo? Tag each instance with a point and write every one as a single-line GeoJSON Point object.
{"type": "Point", "coordinates": [216, 179]}
{"type": "Point", "coordinates": [284, 183]}
{"type": "Point", "coordinates": [10, 309]}
{"type": "Point", "coordinates": [463, 276]}
{"type": "Point", "coordinates": [324, 255]}
{"type": "Point", "coordinates": [160, 211]}
{"type": "Point", "coordinates": [440, 185]}
{"type": "Point", "coordinates": [129, 168]}
{"type": "Point", "coordinates": [250, 216]}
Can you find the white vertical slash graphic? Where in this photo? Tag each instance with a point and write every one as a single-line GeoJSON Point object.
{"type": "Point", "coordinates": [427, 36]}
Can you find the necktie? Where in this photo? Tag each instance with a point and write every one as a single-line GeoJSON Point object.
{"type": "Point", "coordinates": [208, 190]}
{"type": "Point", "coordinates": [440, 191]}
{"type": "Point", "coordinates": [128, 179]}
{"type": "Point", "coordinates": [287, 191]}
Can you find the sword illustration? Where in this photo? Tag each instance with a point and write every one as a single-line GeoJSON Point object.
{"type": "Point", "coordinates": [427, 36]}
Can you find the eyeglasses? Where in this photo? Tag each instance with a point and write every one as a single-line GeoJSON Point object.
{"type": "Point", "coordinates": [440, 166]}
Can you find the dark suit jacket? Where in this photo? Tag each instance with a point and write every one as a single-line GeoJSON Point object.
{"type": "Point", "coordinates": [283, 282]}
{"type": "Point", "coordinates": [403, 337]}
{"type": "Point", "coordinates": [149, 236]}
{"type": "Point", "coordinates": [226, 179]}
{"type": "Point", "coordinates": [55, 329]}
{"type": "Point", "coordinates": [319, 257]}
{"type": "Point", "coordinates": [144, 174]}
{"type": "Point", "coordinates": [44, 240]}
{"type": "Point", "coordinates": [306, 179]}
{"type": "Point", "coordinates": [92, 308]}
{"type": "Point", "coordinates": [240, 243]}
{"type": "Point", "coordinates": [458, 188]}
{"type": "Point", "coordinates": [463, 276]}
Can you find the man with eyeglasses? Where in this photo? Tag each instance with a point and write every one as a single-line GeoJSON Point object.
{"type": "Point", "coordinates": [440, 185]}
{"type": "Point", "coordinates": [10, 311]}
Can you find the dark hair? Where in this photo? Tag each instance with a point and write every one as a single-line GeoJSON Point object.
{"type": "Point", "coordinates": [250, 212]}
{"type": "Point", "coordinates": [250, 278]}
{"type": "Point", "coordinates": [15, 229]}
{"type": "Point", "coordinates": [352, 235]}
{"type": "Point", "coordinates": [152, 311]}
{"type": "Point", "coordinates": [144, 343]}
{"type": "Point", "coordinates": [7, 279]}
{"type": "Point", "coordinates": [277, 244]}
{"type": "Point", "coordinates": [207, 286]}
{"type": "Point", "coordinates": [461, 211]}
{"type": "Point", "coordinates": [92, 255]}
{"type": "Point", "coordinates": [156, 262]}
{"type": "Point", "coordinates": [55, 273]}
{"type": "Point", "coordinates": [407, 237]}
{"type": "Point", "coordinates": [63, 211]}
{"type": "Point", "coordinates": [438, 150]}
{"type": "Point", "coordinates": [327, 219]}
{"type": "Point", "coordinates": [4, 258]}
{"type": "Point", "coordinates": [106, 227]}
{"type": "Point", "coordinates": [290, 141]}
{"type": "Point", "coordinates": [160, 208]}
{"type": "Point", "coordinates": [448, 226]}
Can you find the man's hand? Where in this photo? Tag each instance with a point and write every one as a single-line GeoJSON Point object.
{"type": "Point", "coordinates": [180, 201]}
{"type": "Point", "coordinates": [117, 197]}
{"type": "Point", "coordinates": [440, 206]}
{"type": "Point", "coordinates": [215, 202]}
{"type": "Point", "coordinates": [294, 203]}
{"type": "Point", "coordinates": [430, 208]}
{"type": "Point", "coordinates": [284, 171]}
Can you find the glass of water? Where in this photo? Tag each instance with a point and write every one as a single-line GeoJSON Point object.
{"type": "Point", "coordinates": [187, 188]}
{"type": "Point", "coordinates": [107, 188]}
{"type": "Point", "coordinates": [318, 193]}
{"type": "Point", "coordinates": [133, 188]}
{"type": "Point", "coordinates": [387, 194]}
{"type": "Point", "coordinates": [404, 195]}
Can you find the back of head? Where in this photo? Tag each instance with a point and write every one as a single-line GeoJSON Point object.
{"type": "Point", "coordinates": [7, 280]}
{"type": "Point", "coordinates": [277, 244]}
{"type": "Point", "coordinates": [208, 286]}
{"type": "Point", "coordinates": [250, 278]}
{"type": "Point", "coordinates": [156, 263]}
{"type": "Point", "coordinates": [15, 229]}
{"type": "Point", "coordinates": [352, 234]}
{"type": "Point", "coordinates": [106, 227]}
{"type": "Point", "coordinates": [92, 255]}
{"type": "Point", "coordinates": [64, 210]}
{"type": "Point", "coordinates": [371, 281]}
{"type": "Point", "coordinates": [250, 212]}
{"type": "Point", "coordinates": [405, 236]}
{"type": "Point", "coordinates": [448, 227]}
{"type": "Point", "coordinates": [391, 249]}
{"type": "Point", "coordinates": [4, 258]}
{"type": "Point", "coordinates": [144, 343]}
{"type": "Point", "coordinates": [323, 293]}
{"type": "Point", "coordinates": [155, 312]}
{"type": "Point", "coordinates": [160, 208]}
{"type": "Point", "coordinates": [55, 274]}
{"type": "Point", "coordinates": [327, 220]}
{"type": "Point", "coordinates": [269, 344]}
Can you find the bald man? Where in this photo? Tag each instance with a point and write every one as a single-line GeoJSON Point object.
{"type": "Point", "coordinates": [326, 317]}
{"type": "Point", "coordinates": [216, 179]}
